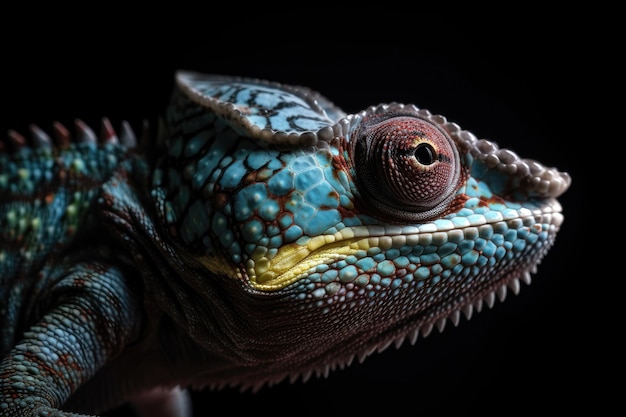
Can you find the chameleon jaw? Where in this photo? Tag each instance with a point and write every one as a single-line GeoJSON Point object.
{"type": "Point", "coordinates": [408, 331]}
{"type": "Point", "coordinates": [294, 261]}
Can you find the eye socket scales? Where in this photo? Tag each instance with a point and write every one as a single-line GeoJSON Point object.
{"type": "Point", "coordinates": [408, 166]}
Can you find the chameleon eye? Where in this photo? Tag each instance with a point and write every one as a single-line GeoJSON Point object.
{"type": "Point", "coordinates": [406, 165]}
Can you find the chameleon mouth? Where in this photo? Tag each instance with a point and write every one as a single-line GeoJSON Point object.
{"type": "Point", "coordinates": [295, 261]}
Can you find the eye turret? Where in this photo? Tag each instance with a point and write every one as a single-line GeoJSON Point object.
{"type": "Point", "coordinates": [407, 166]}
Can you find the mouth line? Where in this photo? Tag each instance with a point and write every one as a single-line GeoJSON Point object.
{"type": "Point", "coordinates": [292, 262]}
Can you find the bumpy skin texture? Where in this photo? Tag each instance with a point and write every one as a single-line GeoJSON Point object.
{"type": "Point", "coordinates": [265, 235]}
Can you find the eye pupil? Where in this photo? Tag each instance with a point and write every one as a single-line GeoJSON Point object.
{"type": "Point", "coordinates": [425, 154]}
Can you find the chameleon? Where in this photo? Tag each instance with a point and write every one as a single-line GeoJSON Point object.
{"type": "Point", "coordinates": [259, 234]}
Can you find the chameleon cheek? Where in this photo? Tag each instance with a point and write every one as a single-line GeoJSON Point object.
{"type": "Point", "coordinates": [407, 166]}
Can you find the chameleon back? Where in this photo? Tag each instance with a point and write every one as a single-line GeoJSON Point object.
{"type": "Point", "coordinates": [48, 187]}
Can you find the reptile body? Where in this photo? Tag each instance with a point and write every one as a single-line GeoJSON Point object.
{"type": "Point", "coordinates": [264, 235]}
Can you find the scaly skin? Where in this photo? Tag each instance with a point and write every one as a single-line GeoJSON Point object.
{"type": "Point", "coordinates": [266, 235]}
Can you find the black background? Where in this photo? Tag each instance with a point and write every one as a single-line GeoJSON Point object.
{"type": "Point", "coordinates": [516, 84]}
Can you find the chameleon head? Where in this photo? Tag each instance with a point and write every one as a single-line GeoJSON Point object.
{"type": "Point", "coordinates": [338, 235]}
